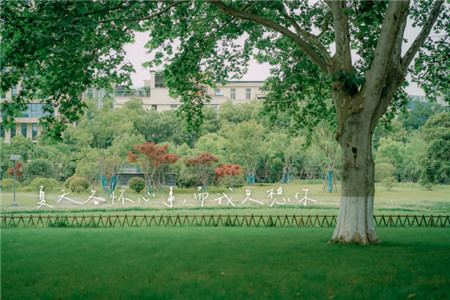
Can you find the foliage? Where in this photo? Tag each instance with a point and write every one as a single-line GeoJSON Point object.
{"type": "Point", "coordinates": [59, 155]}
{"type": "Point", "coordinates": [234, 181]}
{"type": "Point", "coordinates": [87, 165]}
{"type": "Point", "coordinates": [79, 184]}
{"type": "Point", "coordinates": [39, 168]}
{"type": "Point", "coordinates": [19, 170]}
{"type": "Point", "coordinates": [436, 162]}
{"type": "Point", "coordinates": [238, 113]}
{"type": "Point", "coordinates": [7, 184]}
{"type": "Point", "coordinates": [384, 172]}
{"type": "Point", "coordinates": [63, 50]}
{"type": "Point", "coordinates": [203, 167]}
{"type": "Point", "coordinates": [244, 144]}
{"type": "Point", "coordinates": [230, 176]}
{"type": "Point", "coordinates": [68, 180]}
{"type": "Point", "coordinates": [154, 161]}
{"type": "Point", "coordinates": [48, 184]}
{"type": "Point", "coordinates": [109, 170]}
{"type": "Point", "coordinates": [137, 184]}
{"type": "Point", "coordinates": [19, 146]}
{"type": "Point", "coordinates": [388, 182]}
{"type": "Point", "coordinates": [187, 178]}
{"type": "Point", "coordinates": [418, 115]}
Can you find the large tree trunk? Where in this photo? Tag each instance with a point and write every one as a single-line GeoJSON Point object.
{"type": "Point", "coordinates": [355, 218]}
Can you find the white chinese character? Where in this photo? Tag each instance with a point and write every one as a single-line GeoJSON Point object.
{"type": "Point", "coordinates": [63, 196]}
{"type": "Point", "coordinates": [248, 193]}
{"type": "Point", "coordinates": [42, 198]}
{"type": "Point", "coordinates": [304, 199]}
{"type": "Point", "coordinates": [170, 199]}
{"type": "Point", "coordinates": [279, 192]}
{"type": "Point", "coordinates": [202, 197]}
{"type": "Point", "coordinates": [96, 199]}
{"type": "Point", "coordinates": [121, 197]}
{"type": "Point", "coordinates": [226, 197]}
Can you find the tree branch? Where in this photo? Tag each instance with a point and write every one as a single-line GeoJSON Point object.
{"type": "Point", "coordinates": [308, 37]}
{"type": "Point", "coordinates": [396, 15]}
{"type": "Point", "coordinates": [420, 39]}
{"type": "Point", "coordinates": [148, 17]}
{"type": "Point", "coordinates": [342, 36]}
{"type": "Point", "coordinates": [321, 63]}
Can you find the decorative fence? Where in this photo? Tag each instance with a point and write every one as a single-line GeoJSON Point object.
{"type": "Point", "coordinates": [12, 221]}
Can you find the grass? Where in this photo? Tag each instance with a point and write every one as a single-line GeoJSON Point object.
{"type": "Point", "coordinates": [403, 199]}
{"type": "Point", "coordinates": [222, 263]}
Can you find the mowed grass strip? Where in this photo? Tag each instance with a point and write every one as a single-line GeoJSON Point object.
{"type": "Point", "coordinates": [403, 199]}
{"type": "Point", "coordinates": [221, 263]}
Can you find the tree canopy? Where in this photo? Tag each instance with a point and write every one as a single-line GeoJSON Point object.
{"type": "Point", "coordinates": [54, 51]}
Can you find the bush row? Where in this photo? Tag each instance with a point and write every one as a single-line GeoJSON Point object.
{"type": "Point", "coordinates": [78, 184]}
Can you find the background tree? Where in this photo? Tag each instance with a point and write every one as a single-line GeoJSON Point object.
{"type": "Point", "coordinates": [109, 167]}
{"type": "Point", "coordinates": [384, 172]}
{"type": "Point", "coordinates": [153, 160]}
{"type": "Point", "coordinates": [19, 145]}
{"type": "Point", "coordinates": [64, 49]}
{"type": "Point", "coordinates": [230, 176]}
{"type": "Point", "coordinates": [203, 167]}
{"type": "Point", "coordinates": [418, 115]}
{"type": "Point", "coordinates": [39, 168]}
{"type": "Point", "coordinates": [59, 155]}
{"type": "Point", "coordinates": [244, 145]}
{"type": "Point", "coordinates": [237, 113]}
{"type": "Point", "coordinates": [19, 169]}
{"type": "Point", "coordinates": [87, 165]}
{"type": "Point", "coordinates": [436, 163]}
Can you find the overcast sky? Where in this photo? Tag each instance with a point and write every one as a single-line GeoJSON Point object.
{"type": "Point", "coordinates": [137, 54]}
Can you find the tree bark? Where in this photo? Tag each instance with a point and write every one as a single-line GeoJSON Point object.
{"type": "Point", "coordinates": [355, 218]}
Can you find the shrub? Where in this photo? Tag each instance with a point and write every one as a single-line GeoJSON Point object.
{"type": "Point", "coordinates": [68, 180]}
{"type": "Point", "coordinates": [388, 182]}
{"type": "Point", "coordinates": [79, 184]}
{"type": "Point", "coordinates": [7, 175]}
{"type": "Point", "coordinates": [187, 179]}
{"type": "Point", "coordinates": [7, 184]}
{"type": "Point", "coordinates": [48, 184]}
{"type": "Point", "coordinates": [234, 181]}
{"type": "Point", "coordinates": [383, 170]}
{"type": "Point", "coordinates": [137, 184]}
{"type": "Point", "coordinates": [39, 168]}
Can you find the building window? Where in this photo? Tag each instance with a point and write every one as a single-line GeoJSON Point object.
{"type": "Point", "coordinates": [217, 93]}
{"type": "Point", "coordinates": [2, 131]}
{"type": "Point", "coordinates": [24, 129]}
{"type": "Point", "coordinates": [233, 94]}
{"type": "Point", "coordinates": [14, 91]}
{"type": "Point", "coordinates": [13, 131]}
{"type": "Point", "coordinates": [3, 96]}
{"type": "Point", "coordinates": [248, 94]}
{"type": "Point", "coordinates": [173, 106]}
{"type": "Point", "coordinates": [215, 107]}
{"type": "Point", "coordinates": [159, 81]}
{"type": "Point", "coordinates": [33, 136]}
{"type": "Point", "coordinates": [154, 106]}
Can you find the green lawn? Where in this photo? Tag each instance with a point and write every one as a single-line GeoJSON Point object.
{"type": "Point", "coordinates": [221, 263]}
{"type": "Point", "coordinates": [403, 199]}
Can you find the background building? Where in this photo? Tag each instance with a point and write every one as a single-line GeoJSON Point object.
{"type": "Point", "coordinates": [155, 95]}
{"type": "Point", "coordinates": [27, 124]}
